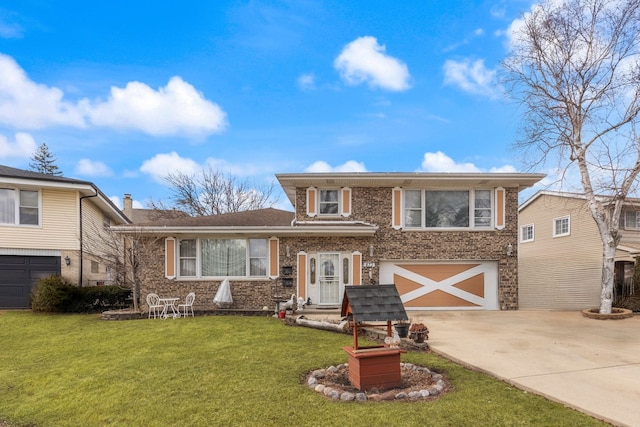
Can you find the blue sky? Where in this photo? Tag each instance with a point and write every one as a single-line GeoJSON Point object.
{"type": "Point", "coordinates": [124, 92]}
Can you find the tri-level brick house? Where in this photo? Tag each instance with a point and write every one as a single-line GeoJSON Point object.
{"type": "Point", "coordinates": [447, 240]}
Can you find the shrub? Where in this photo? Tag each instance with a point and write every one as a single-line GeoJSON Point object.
{"type": "Point", "coordinates": [95, 299]}
{"type": "Point", "coordinates": [54, 294]}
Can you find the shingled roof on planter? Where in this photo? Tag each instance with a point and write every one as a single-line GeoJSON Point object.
{"type": "Point", "coordinates": [373, 303]}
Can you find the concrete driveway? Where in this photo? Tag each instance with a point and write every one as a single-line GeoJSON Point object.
{"type": "Point", "coordinates": [590, 365]}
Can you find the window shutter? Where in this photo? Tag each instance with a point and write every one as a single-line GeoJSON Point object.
{"type": "Point", "coordinates": [302, 275]}
{"type": "Point", "coordinates": [346, 202]}
{"type": "Point", "coordinates": [356, 268]}
{"type": "Point", "coordinates": [312, 202]}
{"type": "Point", "coordinates": [396, 208]}
{"type": "Point", "coordinates": [274, 258]}
{"type": "Point", "coordinates": [170, 258]}
{"type": "Point", "coordinates": [500, 208]}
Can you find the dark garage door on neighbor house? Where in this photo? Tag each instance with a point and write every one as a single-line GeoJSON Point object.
{"type": "Point", "coordinates": [18, 274]}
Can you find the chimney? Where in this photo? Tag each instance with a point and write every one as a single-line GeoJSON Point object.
{"type": "Point", "coordinates": [127, 206]}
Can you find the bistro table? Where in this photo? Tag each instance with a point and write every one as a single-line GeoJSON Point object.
{"type": "Point", "coordinates": [169, 304]}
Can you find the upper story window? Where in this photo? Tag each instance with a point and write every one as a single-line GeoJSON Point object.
{"type": "Point", "coordinates": [526, 233]}
{"type": "Point", "coordinates": [632, 219]}
{"type": "Point", "coordinates": [448, 208]}
{"type": "Point", "coordinates": [223, 258]}
{"type": "Point", "coordinates": [19, 207]}
{"type": "Point", "coordinates": [329, 203]}
{"type": "Point", "coordinates": [561, 226]}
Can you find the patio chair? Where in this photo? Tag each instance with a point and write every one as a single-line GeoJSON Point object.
{"type": "Point", "coordinates": [187, 307]}
{"type": "Point", "coordinates": [153, 301]}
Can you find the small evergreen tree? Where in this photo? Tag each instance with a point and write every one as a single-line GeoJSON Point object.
{"type": "Point", "coordinates": [43, 161]}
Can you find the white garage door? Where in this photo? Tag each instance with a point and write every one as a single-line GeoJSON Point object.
{"type": "Point", "coordinates": [443, 285]}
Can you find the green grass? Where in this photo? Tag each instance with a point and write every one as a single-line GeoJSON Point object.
{"type": "Point", "coordinates": [77, 370]}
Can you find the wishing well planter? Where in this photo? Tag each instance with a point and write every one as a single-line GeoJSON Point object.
{"type": "Point", "coordinates": [373, 366]}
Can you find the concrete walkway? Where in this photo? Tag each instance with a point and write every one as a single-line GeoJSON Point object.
{"type": "Point", "coordinates": [590, 365]}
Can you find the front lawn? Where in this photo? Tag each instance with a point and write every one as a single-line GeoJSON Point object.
{"type": "Point", "coordinates": [77, 370]}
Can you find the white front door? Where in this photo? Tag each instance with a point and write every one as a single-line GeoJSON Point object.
{"type": "Point", "coordinates": [329, 277]}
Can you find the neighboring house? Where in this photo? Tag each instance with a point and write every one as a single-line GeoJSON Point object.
{"type": "Point", "coordinates": [447, 240]}
{"type": "Point", "coordinates": [560, 250]}
{"type": "Point", "coordinates": [139, 216]}
{"type": "Point", "coordinates": [45, 222]}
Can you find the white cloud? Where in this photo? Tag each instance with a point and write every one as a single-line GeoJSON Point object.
{"type": "Point", "coordinates": [23, 147]}
{"type": "Point", "coordinates": [92, 168]}
{"type": "Point", "coordinates": [307, 81]}
{"type": "Point", "coordinates": [240, 170]}
{"type": "Point", "coordinates": [160, 165]}
{"type": "Point", "coordinates": [350, 166]}
{"type": "Point", "coordinates": [472, 77]}
{"type": "Point", "coordinates": [178, 108]}
{"type": "Point", "coordinates": [175, 109]}
{"type": "Point", "coordinates": [503, 169]}
{"type": "Point", "coordinates": [440, 162]}
{"type": "Point", "coordinates": [28, 105]}
{"type": "Point", "coordinates": [364, 60]}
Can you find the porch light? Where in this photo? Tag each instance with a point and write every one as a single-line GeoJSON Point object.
{"type": "Point", "coordinates": [67, 260]}
{"type": "Point", "coordinates": [509, 249]}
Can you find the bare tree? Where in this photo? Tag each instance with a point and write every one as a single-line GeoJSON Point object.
{"type": "Point", "coordinates": [212, 193]}
{"type": "Point", "coordinates": [122, 253]}
{"type": "Point", "coordinates": [575, 67]}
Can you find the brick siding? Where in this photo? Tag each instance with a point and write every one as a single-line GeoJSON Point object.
{"type": "Point", "coordinates": [372, 205]}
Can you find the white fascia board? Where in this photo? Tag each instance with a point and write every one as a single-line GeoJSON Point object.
{"type": "Point", "coordinates": [253, 231]}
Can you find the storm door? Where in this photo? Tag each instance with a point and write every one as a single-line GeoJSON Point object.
{"type": "Point", "coordinates": [329, 277]}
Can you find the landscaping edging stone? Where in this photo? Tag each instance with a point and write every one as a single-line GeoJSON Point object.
{"type": "Point", "coordinates": [616, 314]}
{"type": "Point", "coordinates": [431, 386]}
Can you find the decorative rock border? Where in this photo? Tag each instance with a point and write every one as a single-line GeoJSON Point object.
{"type": "Point", "coordinates": [616, 314]}
{"type": "Point", "coordinates": [436, 385]}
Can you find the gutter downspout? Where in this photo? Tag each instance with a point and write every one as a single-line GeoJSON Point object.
{"type": "Point", "coordinates": [81, 237]}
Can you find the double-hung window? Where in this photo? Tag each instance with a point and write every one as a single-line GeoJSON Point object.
{"type": "Point", "coordinates": [632, 219]}
{"type": "Point", "coordinates": [526, 233]}
{"type": "Point", "coordinates": [329, 202]}
{"type": "Point", "coordinates": [413, 208]}
{"type": "Point", "coordinates": [448, 208]}
{"type": "Point", "coordinates": [561, 226]}
{"type": "Point", "coordinates": [223, 258]}
{"type": "Point", "coordinates": [19, 207]}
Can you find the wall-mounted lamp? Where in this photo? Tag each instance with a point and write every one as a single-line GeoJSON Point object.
{"type": "Point", "coordinates": [371, 250]}
{"type": "Point", "coordinates": [509, 249]}
{"type": "Point", "coordinates": [287, 250]}
{"type": "Point", "coordinates": [67, 260]}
